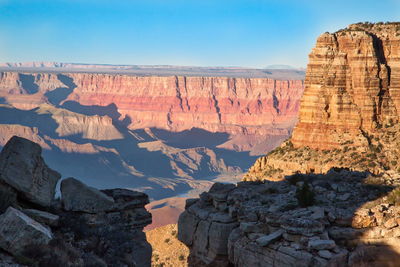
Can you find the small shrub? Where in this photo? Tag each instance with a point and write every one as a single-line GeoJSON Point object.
{"type": "Point", "coordinates": [167, 240]}
{"type": "Point", "coordinates": [394, 197]}
{"type": "Point", "coordinates": [305, 196]}
{"type": "Point", "coordinates": [295, 178]}
{"type": "Point", "coordinates": [174, 233]}
{"type": "Point", "coordinates": [181, 257]}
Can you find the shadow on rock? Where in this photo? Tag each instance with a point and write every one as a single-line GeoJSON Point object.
{"type": "Point", "coordinates": [342, 218]}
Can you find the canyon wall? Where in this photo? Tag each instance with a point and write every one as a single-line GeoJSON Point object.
{"type": "Point", "coordinates": [352, 85]}
{"type": "Point", "coordinates": [121, 126]}
{"type": "Point", "coordinates": [176, 103]}
{"type": "Point", "coordinates": [350, 109]}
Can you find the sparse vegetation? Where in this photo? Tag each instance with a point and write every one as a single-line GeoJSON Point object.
{"type": "Point", "coordinates": [304, 195]}
{"type": "Point", "coordinates": [394, 197]}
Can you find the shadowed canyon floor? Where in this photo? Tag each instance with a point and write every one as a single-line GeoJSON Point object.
{"type": "Point", "coordinates": [166, 136]}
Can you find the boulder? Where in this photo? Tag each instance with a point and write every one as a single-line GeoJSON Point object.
{"type": "Point", "coordinates": [321, 244]}
{"type": "Point", "coordinates": [76, 196]}
{"type": "Point", "coordinates": [23, 168]}
{"type": "Point", "coordinates": [42, 216]}
{"type": "Point", "coordinates": [268, 239]}
{"type": "Point", "coordinates": [17, 231]}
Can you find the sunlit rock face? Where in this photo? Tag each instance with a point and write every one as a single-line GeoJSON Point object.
{"type": "Point", "coordinates": [352, 85]}
{"type": "Point", "coordinates": [349, 112]}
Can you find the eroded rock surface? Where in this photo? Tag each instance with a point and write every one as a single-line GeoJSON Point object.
{"type": "Point", "coordinates": [349, 112]}
{"type": "Point", "coordinates": [89, 228]}
{"type": "Point", "coordinates": [17, 231]}
{"type": "Point", "coordinates": [264, 223]}
{"type": "Point", "coordinates": [23, 168]}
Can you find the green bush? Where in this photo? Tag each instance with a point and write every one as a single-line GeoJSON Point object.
{"type": "Point", "coordinates": [305, 196]}
{"type": "Point", "coordinates": [181, 257]}
{"type": "Point", "coordinates": [394, 197]}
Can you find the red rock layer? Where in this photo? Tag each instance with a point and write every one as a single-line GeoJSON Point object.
{"type": "Point", "coordinates": [176, 103]}
{"type": "Point", "coordinates": [352, 85]}
{"type": "Point", "coordinates": [232, 105]}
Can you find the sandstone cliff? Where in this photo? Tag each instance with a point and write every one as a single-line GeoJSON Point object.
{"type": "Point", "coordinates": [349, 112]}
{"type": "Point", "coordinates": [352, 86]}
{"type": "Point", "coordinates": [216, 104]}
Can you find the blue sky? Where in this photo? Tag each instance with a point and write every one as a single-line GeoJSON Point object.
{"type": "Point", "coordinates": [252, 33]}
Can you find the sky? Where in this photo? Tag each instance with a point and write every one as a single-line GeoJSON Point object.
{"type": "Point", "coordinates": [251, 33]}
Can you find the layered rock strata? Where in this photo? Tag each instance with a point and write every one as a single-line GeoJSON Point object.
{"type": "Point", "coordinates": [349, 112]}
{"type": "Point", "coordinates": [87, 227]}
{"type": "Point", "coordinates": [353, 220]}
{"type": "Point", "coordinates": [177, 103]}
{"type": "Point", "coordinates": [352, 86]}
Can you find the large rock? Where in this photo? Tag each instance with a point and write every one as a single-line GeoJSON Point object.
{"type": "Point", "coordinates": [17, 231]}
{"type": "Point", "coordinates": [23, 168]}
{"type": "Point", "coordinates": [76, 196]}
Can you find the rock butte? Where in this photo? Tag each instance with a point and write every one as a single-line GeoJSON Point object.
{"type": "Point", "coordinates": [350, 109]}
{"type": "Point", "coordinates": [352, 85]}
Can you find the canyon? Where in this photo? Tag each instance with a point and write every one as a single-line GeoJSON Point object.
{"type": "Point", "coordinates": [167, 136]}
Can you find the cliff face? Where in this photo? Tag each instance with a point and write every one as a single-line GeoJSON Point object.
{"type": "Point", "coordinates": [233, 105]}
{"type": "Point", "coordinates": [352, 85]}
{"type": "Point", "coordinates": [178, 103]}
{"type": "Point", "coordinates": [350, 109]}
{"type": "Point", "coordinates": [124, 125]}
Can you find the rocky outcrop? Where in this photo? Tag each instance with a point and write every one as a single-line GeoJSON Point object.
{"type": "Point", "coordinates": [23, 168]}
{"type": "Point", "coordinates": [307, 220]}
{"type": "Point", "coordinates": [76, 196]}
{"type": "Point", "coordinates": [17, 231]}
{"type": "Point", "coordinates": [87, 227]}
{"type": "Point", "coordinates": [349, 112]}
{"type": "Point", "coordinates": [352, 86]}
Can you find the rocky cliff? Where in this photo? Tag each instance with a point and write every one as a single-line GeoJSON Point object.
{"type": "Point", "coordinates": [349, 112]}
{"type": "Point", "coordinates": [86, 227]}
{"type": "Point", "coordinates": [328, 196]}
{"type": "Point", "coordinates": [352, 86]}
{"type": "Point", "coordinates": [177, 103]}
{"type": "Point", "coordinates": [121, 126]}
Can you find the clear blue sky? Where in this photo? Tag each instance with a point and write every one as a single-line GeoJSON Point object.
{"type": "Point", "coordinates": [247, 33]}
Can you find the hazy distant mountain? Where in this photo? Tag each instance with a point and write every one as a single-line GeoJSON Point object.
{"type": "Point", "coordinates": [280, 73]}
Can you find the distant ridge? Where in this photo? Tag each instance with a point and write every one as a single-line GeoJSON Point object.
{"type": "Point", "coordinates": [281, 73]}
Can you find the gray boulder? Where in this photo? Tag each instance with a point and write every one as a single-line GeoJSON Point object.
{"type": "Point", "coordinates": [76, 196]}
{"type": "Point", "coordinates": [23, 168]}
{"type": "Point", "coordinates": [17, 231]}
{"type": "Point", "coordinates": [43, 217]}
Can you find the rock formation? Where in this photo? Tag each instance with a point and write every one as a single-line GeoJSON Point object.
{"type": "Point", "coordinates": [352, 219]}
{"type": "Point", "coordinates": [297, 205]}
{"type": "Point", "coordinates": [177, 103]}
{"type": "Point", "coordinates": [350, 108]}
{"type": "Point", "coordinates": [352, 86]}
{"type": "Point", "coordinates": [87, 227]}
{"type": "Point", "coordinates": [116, 125]}
{"type": "Point", "coordinates": [23, 168]}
